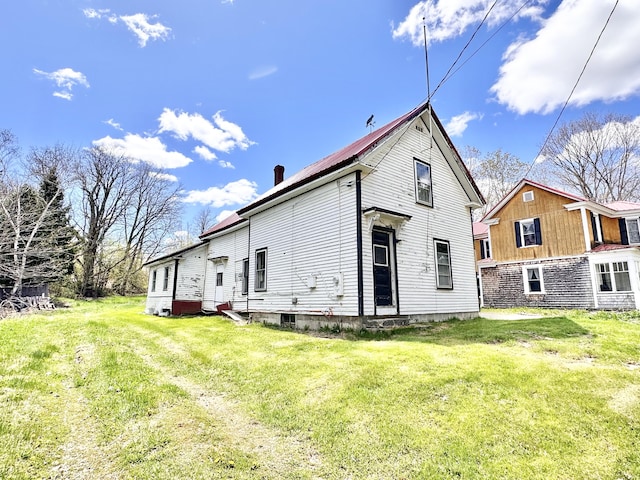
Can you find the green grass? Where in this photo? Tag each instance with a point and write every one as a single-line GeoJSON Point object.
{"type": "Point", "coordinates": [102, 390]}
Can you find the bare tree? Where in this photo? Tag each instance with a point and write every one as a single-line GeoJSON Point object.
{"type": "Point", "coordinates": [598, 157]}
{"type": "Point", "coordinates": [203, 221]}
{"type": "Point", "coordinates": [106, 189]}
{"type": "Point", "coordinates": [9, 151]}
{"type": "Point", "coordinates": [495, 174]}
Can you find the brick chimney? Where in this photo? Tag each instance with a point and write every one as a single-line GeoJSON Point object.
{"type": "Point", "coordinates": [278, 174]}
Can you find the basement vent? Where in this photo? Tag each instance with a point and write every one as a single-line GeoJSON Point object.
{"type": "Point", "coordinates": [288, 320]}
{"type": "Point", "coordinates": [527, 196]}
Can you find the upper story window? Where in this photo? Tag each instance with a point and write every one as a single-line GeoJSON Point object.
{"type": "Point", "coordinates": [424, 193]}
{"type": "Point", "coordinates": [528, 233]}
{"type": "Point", "coordinates": [154, 279]}
{"type": "Point", "coordinates": [485, 248]}
{"type": "Point", "coordinates": [165, 280]}
{"type": "Point", "coordinates": [261, 270]}
{"type": "Point", "coordinates": [633, 229]}
{"type": "Point", "coordinates": [444, 278]}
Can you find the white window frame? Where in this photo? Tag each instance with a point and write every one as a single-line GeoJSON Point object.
{"type": "Point", "coordinates": [612, 271]}
{"type": "Point", "coordinates": [154, 279]}
{"type": "Point", "coordinates": [630, 221]}
{"type": "Point", "coordinates": [522, 234]}
{"type": "Point", "coordinates": [528, 196]}
{"type": "Point", "coordinates": [165, 280]}
{"type": "Point", "coordinates": [260, 280]}
{"type": "Point", "coordinates": [487, 247]}
{"type": "Point", "coordinates": [525, 279]}
{"type": "Point", "coordinates": [421, 185]}
{"type": "Point", "coordinates": [438, 264]}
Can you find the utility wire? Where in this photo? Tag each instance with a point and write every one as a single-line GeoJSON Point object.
{"type": "Point", "coordinates": [575, 85]}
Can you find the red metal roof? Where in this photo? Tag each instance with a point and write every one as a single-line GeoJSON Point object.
{"type": "Point", "coordinates": [608, 247]}
{"type": "Point", "coordinates": [480, 229]}
{"type": "Point", "coordinates": [231, 220]}
{"type": "Point", "coordinates": [621, 206]}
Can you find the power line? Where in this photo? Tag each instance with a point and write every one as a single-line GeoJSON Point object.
{"type": "Point", "coordinates": [575, 85]}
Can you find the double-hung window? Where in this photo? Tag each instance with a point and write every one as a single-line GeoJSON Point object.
{"type": "Point", "coordinates": [485, 248]}
{"type": "Point", "coordinates": [154, 279]}
{"type": "Point", "coordinates": [444, 278]}
{"type": "Point", "coordinates": [633, 230]}
{"type": "Point", "coordinates": [165, 280]}
{"type": "Point", "coordinates": [618, 282]}
{"type": "Point", "coordinates": [424, 192]}
{"type": "Point", "coordinates": [261, 270]}
{"type": "Point", "coordinates": [245, 276]}
{"type": "Point", "coordinates": [528, 232]}
{"type": "Point", "coordinates": [532, 277]}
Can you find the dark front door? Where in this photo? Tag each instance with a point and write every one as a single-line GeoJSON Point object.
{"type": "Point", "coordinates": [382, 268]}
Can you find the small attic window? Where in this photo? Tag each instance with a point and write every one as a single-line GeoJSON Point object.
{"type": "Point", "coordinates": [527, 196]}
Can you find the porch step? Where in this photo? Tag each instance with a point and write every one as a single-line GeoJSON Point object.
{"type": "Point", "coordinates": [386, 322]}
{"type": "Point", "coordinates": [235, 316]}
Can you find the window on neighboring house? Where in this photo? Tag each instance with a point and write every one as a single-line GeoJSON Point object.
{"type": "Point", "coordinates": [261, 270]}
{"type": "Point", "coordinates": [218, 279]}
{"type": "Point", "coordinates": [528, 232]}
{"type": "Point", "coordinates": [245, 276]}
{"type": "Point", "coordinates": [424, 193]}
{"type": "Point", "coordinates": [485, 248]}
{"type": "Point", "coordinates": [533, 282]}
{"type": "Point", "coordinates": [618, 282]}
{"type": "Point", "coordinates": [154, 279]}
{"type": "Point", "coordinates": [444, 277]}
{"type": "Point", "coordinates": [165, 280]}
{"type": "Point", "coordinates": [633, 230]}
{"type": "Point", "coordinates": [527, 196]}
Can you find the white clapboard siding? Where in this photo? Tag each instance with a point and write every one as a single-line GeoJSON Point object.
{"type": "Point", "coordinates": [191, 274]}
{"type": "Point", "coordinates": [159, 298]}
{"type": "Point", "coordinates": [232, 247]}
{"type": "Point", "coordinates": [391, 186]}
{"type": "Point", "coordinates": [311, 243]}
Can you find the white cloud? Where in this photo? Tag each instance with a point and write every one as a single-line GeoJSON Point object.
{"type": "Point", "coordinates": [447, 19]}
{"type": "Point", "coordinates": [263, 72]}
{"type": "Point", "coordinates": [164, 176]}
{"type": "Point", "coordinates": [66, 79]}
{"type": "Point", "coordinates": [220, 135]}
{"type": "Point", "coordinates": [239, 192]}
{"type": "Point", "coordinates": [113, 123]}
{"type": "Point", "coordinates": [146, 149]}
{"type": "Point", "coordinates": [225, 164]}
{"type": "Point", "coordinates": [458, 124]}
{"type": "Point", "coordinates": [145, 31]}
{"type": "Point", "coordinates": [538, 75]}
{"type": "Point", "coordinates": [138, 23]}
{"type": "Point", "coordinates": [224, 214]}
{"type": "Point", "coordinates": [205, 153]}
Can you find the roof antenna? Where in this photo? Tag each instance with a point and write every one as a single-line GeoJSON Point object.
{"type": "Point", "coordinates": [426, 62]}
{"type": "Point", "coordinates": [370, 123]}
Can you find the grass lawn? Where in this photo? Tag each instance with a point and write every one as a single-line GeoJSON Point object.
{"type": "Point", "coordinates": [101, 390]}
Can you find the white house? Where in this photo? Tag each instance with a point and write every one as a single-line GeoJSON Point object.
{"type": "Point", "coordinates": [378, 233]}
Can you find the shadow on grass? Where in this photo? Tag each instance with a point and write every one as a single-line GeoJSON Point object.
{"type": "Point", "coordinates": [479, 330]}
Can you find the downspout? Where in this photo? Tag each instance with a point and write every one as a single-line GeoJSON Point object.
{"type": "Point", "coordinates": [175, 282]}
{"type": "Point", "coordinates": [359, 243]}
{"type": "Point", "coordinates": [395, 271]}
{"type": "Point", "coordinates": [249, 262]}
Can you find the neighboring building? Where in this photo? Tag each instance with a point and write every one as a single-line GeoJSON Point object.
{"type": "Point", "coordinates": [548, 248]}
{"type": "Point", "coordinates": [378, 233]}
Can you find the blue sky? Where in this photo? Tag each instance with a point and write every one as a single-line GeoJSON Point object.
{"type": "Point", "coordinates": [215, 93]}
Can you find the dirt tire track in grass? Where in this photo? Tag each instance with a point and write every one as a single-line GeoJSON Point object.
{"type": "Point", "coordinates": [81, 455]}
{"type": "Point", "coordinates": [278, 454]}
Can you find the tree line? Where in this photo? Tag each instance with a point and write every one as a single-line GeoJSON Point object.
{"type": "Point", "coordinates": [80, 220]}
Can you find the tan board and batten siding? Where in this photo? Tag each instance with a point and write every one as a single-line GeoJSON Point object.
{"type": "Point", "coordinates": [300, 236]}
{"type": "Point", "coordinates": [392, 186]}
{"type": "Point", "coordinates": [555, 222]}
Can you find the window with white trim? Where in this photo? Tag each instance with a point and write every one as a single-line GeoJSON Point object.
{"type": "Point", "coordinates": [219, 277]}
{"type": "Point", "coordinates": [424, 193]}
{"type": "Point", "coordinates": [165, 280]}
{"type": "Point", "coordinates": [620, 281]}
{"type": "Point", "coordinates": [154, 279]}
{"type": "Point", "coordinates": [633, 229]}
{"type": "Point", "coordinates": [444, 278]}
{"type": "Point", "coordinates": [260, 284]}
{"type": "Point", "coordinates": [533, 280]}
{"type": "Point", "coordinates": [245, 276]}
{"type": "Point", "coordinates": [485, 248]}
{"type": "Point", "coordinates": [528, 232]}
